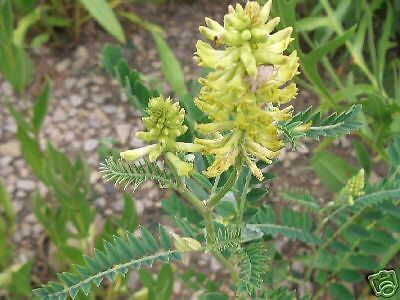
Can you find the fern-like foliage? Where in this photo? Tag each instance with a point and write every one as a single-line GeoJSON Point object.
{"type": "Point", "coordinates": [116, 259]}
{"type": "Point", "coordinates": [379, 192]}
{"type": "Point", "coordinates": [226, 238]}
{"type": "Point", "coordinates": [302, 199]}
{"type": "Point", "coordinates": [124, 173]}
{"type": "Point", "coordinates": [253, 259]}
{"type": "Point", "coordinates": [332, 125]}
{"type": "Point", "coordinates": [394, 157]}
{"type": "Point", "coordinates": [294, 225]}
{"type": "Point", "coordinates": [129, 80]}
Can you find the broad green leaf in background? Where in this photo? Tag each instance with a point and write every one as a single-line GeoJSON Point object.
{"type": "Point", "coordinates": [16, 279]}
{"type": "Point", "coordinates": [5, 205]}
{"type": "Point", "coordinates": [40, 107]}
{"type": "Point", "coordinates": [24, 23]}
{"type": "Point", "coordinates": [384, 43]}
{"type": "Point", "coordinates": [213, 296]}
{"type": "Point", "coordinates": [362, 156]}
{"type": "Point", "coordinates": [6, 227]}
{"type": "Point", "coordinates": [104, 15]}
{"type": "Point", "coordinates": [340, 292]}
{"type": "Point", "coordinates": [151, 27]}
{"type": "Point", "coordinates": [15, 65]}
{"type": "Point", "coordinates": [332, 170]}
{"type": "Point", "coordinates": [170, 66]}
{"type": "Point", "coordinates": [164, 283]}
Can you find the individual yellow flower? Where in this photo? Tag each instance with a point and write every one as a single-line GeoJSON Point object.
{"type": "Point", "coordinates": [242, 94]}
{"type": "Point", "coordinates": [164, 124]}
{"type": "Point", "coordinates": [186, 244]}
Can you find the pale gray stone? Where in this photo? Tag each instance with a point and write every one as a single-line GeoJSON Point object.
{"type": "Point", "coordinates": [63, 65]}
{"type": "Point", "coordinates": [123, 132]}
{"type": "Point", "coordinates": [10, 149]}
{"type": "Point", "coordinates": [26, 185]}
{"type": "Point", "coordinates": [90, 145]}
{"type": "Point", "coordinates": [76, 100]}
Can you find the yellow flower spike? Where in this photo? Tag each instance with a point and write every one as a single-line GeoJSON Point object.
{"type": "Point", "coordinates": [250, 77]}
{"type": "Point", "coordinates": [182, 168]}
{"type": "Point", "coordinates": [354, 187]}
{"type": "Point", "coordinates": [164, 124]}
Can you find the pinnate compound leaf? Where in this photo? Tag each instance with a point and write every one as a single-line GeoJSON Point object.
{"type": "Point", "coordinates": [116, 258]}
{"type": "Point", "coordinates": [134, 174]}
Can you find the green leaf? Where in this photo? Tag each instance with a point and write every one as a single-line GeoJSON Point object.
{"type": "Point", "coordinates": [394, 156]}
{"type": "Point", "coordinates": [129, 80]}
{"type": "Point", "coordinates": [170, 66]}
{"type": "Point", "coordinates": [252, 263]}
{"type": "Point", "coordinates": [149, 26]}
{"type": "Point", "coordinates": [15, 64]}
{"type": "Point", "coordinates": [5, 206]}
{"type": "Point", "coordinates": [32, 152]}
{"type": "Point", "coordinates": [363, 156]}
{"type": "Point", "coordinates": [117, 258]}
{"type": "Point", "coordinates": [213, 296]}
{"type": "Point", "coordinates": [133, 174]}
{"type": "Point", "coordinates": [363, 262]}
{"type": "Point", "coordinates": [16, 280]}
{"type": "Point", "coordinates": [350, 276]}
{"type": "Point", "coordinates": [102, 12]}
{"type": "Point", "coordinates": [256, 194]}
{"type": "Point", "coordinates": [312, 23]}
{"type": "Point", "coordinates": [40, 107]}
{"type": "Point", "coordinates": [164, 283]}
{"type": "Point", "coordinates": [294, 225]}
{"type": "Point", "coordinates": [332, 170]}
{"type": "Point", "coordinates": [384, 43]}
{"type": "Point", "coordinates": [340, 292]}
{"type": "Point", "coordinates": [302, 199]}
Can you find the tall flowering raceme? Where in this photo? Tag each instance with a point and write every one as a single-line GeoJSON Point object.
{"type": "Point", "coordinates": [243, 94]}
{"type": "Point", "coordinates": [164, 124]}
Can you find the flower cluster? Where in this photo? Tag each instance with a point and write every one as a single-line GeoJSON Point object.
{"type": "Point", "coordinates": [164, 124]}
{"type": "Point", "coordinates": [243, 93]}
{"type": "Point", "coordinates": [355, 187]}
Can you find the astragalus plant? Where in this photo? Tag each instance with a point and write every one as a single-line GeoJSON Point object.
{"type": "Point", "coordinates": [215, 171]}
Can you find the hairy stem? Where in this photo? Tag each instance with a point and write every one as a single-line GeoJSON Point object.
{"type": "Point", "coordinates": [243, 199]}
{"type": "Point", "coordinates": [226, 188]}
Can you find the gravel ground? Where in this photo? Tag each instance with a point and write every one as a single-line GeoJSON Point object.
{"type": "Point", "coordinates": [87, 107]}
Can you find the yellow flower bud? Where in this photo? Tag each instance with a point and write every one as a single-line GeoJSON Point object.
{"type": "Point", "coordinates": [186, 244]}
{"type": "Point", "coordinates": [182, 168]}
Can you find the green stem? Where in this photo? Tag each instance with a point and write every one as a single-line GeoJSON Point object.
{"type": "Point", "coordinates": [210, 231]}
{"type": "Point", "coordinates": [225, 189]}
{"type": "Point", "coordinates": [198, 205]}
{"type": "Point", "coordinates": [243, 199]}
{"type": "Point", "coordinates": [228, 265]}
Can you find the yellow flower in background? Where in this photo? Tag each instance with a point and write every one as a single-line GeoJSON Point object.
{"type": "Point", "coordinates": [164, 124]}
{"type": "Point", "coordinates": [355, 186]}
{"type": "Point", "coordinates": [243, 93]}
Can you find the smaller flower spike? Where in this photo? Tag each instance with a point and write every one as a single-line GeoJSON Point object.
{"type": "Point", "coordinates": [164, 124]}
